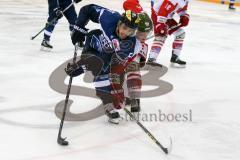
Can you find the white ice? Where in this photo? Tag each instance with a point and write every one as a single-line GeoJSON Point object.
{"type": "Point", "coordinates": [209, 86]}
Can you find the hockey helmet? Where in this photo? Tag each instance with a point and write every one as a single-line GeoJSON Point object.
{"type": "Point", "coordinates": [130, 19]}
{"type": "Point", "coordinates": [145, 23]}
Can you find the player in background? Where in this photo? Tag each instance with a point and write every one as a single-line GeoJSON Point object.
{"type": "Point", "coordinates": [164, 25]}
{"type": "Point", "coordinates": [55, 8]}
{"type": "Point", "coordinates": [134, 81]}
{"type": "Point", "coordinates": [132, 5]}
{"type": "Point", "coordinates": [231, 5]}
{"type": "Point", "coordinates": [107, 53]}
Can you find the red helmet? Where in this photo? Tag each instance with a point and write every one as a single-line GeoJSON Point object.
{"type": "Point", "coordinates": [132, 5]}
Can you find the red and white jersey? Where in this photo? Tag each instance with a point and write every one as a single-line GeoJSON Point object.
{"type": "Point", "coordinates": [165, 9]}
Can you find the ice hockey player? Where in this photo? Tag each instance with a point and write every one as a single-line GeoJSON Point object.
{"type": "Point", "coordinates": [107, 53]}
{"type": "Point", "coordinates": [231, 5]}
{"type": "Point", "coordinates": [134, 81]}
{"type": "Point", "coordinates": [164, 25]}
{"type": "Point", "coordinates": [55, 8]}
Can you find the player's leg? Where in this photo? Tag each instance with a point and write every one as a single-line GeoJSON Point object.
{"type": "Point", "coordinates": [231, 5]}
{"type": "Point", "coordinates": [103, 91]}
{"type": "Point", "coordinates": [156, 48]}
{"type": "Point", "coordinates": [101, 83]}
{"type": "Point", "coordinates": [134, 85]}
{"type": "Point", "coordinates": [179, 35]}
{"type": "Point", "coordinates": [158, 41]}
{"type": "Point", "coordinates": [51, 22]}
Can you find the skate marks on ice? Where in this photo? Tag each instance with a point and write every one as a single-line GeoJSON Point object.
{"type": "Point", "coordinates": [211, 134]}
{"type": "Point", "coordinates": [85, 116]}
{"type": "Point", "coordinates": [17, 117]}
{"type": "Point", "coordinates": [58, 76]}
{"type": "Point", "coordinates": [224, 20]}
{"type": "Point", "coordinates": [152, 78]}
{"type": "Point", "coordinates": [211, 138]}
{"type": "Point", "coordinates": [2, 99]}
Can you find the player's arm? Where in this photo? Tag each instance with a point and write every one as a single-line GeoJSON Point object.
{"type": "Point", "coordinates": [184, 16]}
{"type": "Point", "coordinates": [166, 8]}
{"type": "Point", "coordinates": [87, 13]}
{"type": "Point", "coordinates": [108, 20]}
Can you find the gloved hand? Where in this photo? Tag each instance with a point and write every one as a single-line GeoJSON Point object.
{"type": "Point", "coordinates": [58, 12]}
{"type": "Point", "coordinates": [161, 29]}
{"type": "Point", "coordinates": [73, 69]}
{"type": "Point", "coordinates": [78, 35]}
{"type": "Point", "coordinates": [76, 1]}
{"type": "Point", "coordinates": [116, 44]}
{"type": "Point", "coordinates": [184, 20]}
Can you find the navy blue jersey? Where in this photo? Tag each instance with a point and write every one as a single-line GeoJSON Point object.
{"type": "Point", "coordinates": [96, 41]}
{"type": "Point", "coordinates": [108, 61]}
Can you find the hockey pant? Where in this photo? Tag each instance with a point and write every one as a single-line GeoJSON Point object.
{"type": "Point", "coordinates": [101, 77]}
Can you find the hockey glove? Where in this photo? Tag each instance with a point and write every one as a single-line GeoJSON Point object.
{"type": "Point", "coordinates": [74, 69]}
{"type": "Point", "coordinates": [78, 35]}
{"type": "Point", "coordinates": [184, 20]}
{"type": "Point", "coordinates": [161, 29]}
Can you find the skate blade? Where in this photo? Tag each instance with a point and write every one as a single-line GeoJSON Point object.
{"type": "Point", "coordinates": [45, 49]}
{"type": "Point", "coordinates": [116, 120]}
{"type": "Point", "coordinates": [176, 65]}
{"type": "Point", "coordinates": [153, 67]}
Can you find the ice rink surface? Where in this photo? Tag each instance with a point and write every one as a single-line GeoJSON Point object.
{"type": "Point", "coordinates": [209, 86]}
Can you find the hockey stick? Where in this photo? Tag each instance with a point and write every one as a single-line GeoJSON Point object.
{"type": "Point", "coordinates": [51, 23]}
{"type": "Point", "coordinates": [173, 27]}
{"type": "Point", "coordinates": [60, 140]}
{"type": "Point", "coordinates": [165, 150]}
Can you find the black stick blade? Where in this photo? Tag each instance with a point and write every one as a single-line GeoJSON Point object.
{"type": "Point", "coordinates": [169, 149]}
{"type": "Point", "coordinates": [62, 141]}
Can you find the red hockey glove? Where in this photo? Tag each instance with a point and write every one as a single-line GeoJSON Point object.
{"type": "Point", "coordinates": [184, 20]}
{"type": "Point", "coordinates": [161, 29]}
